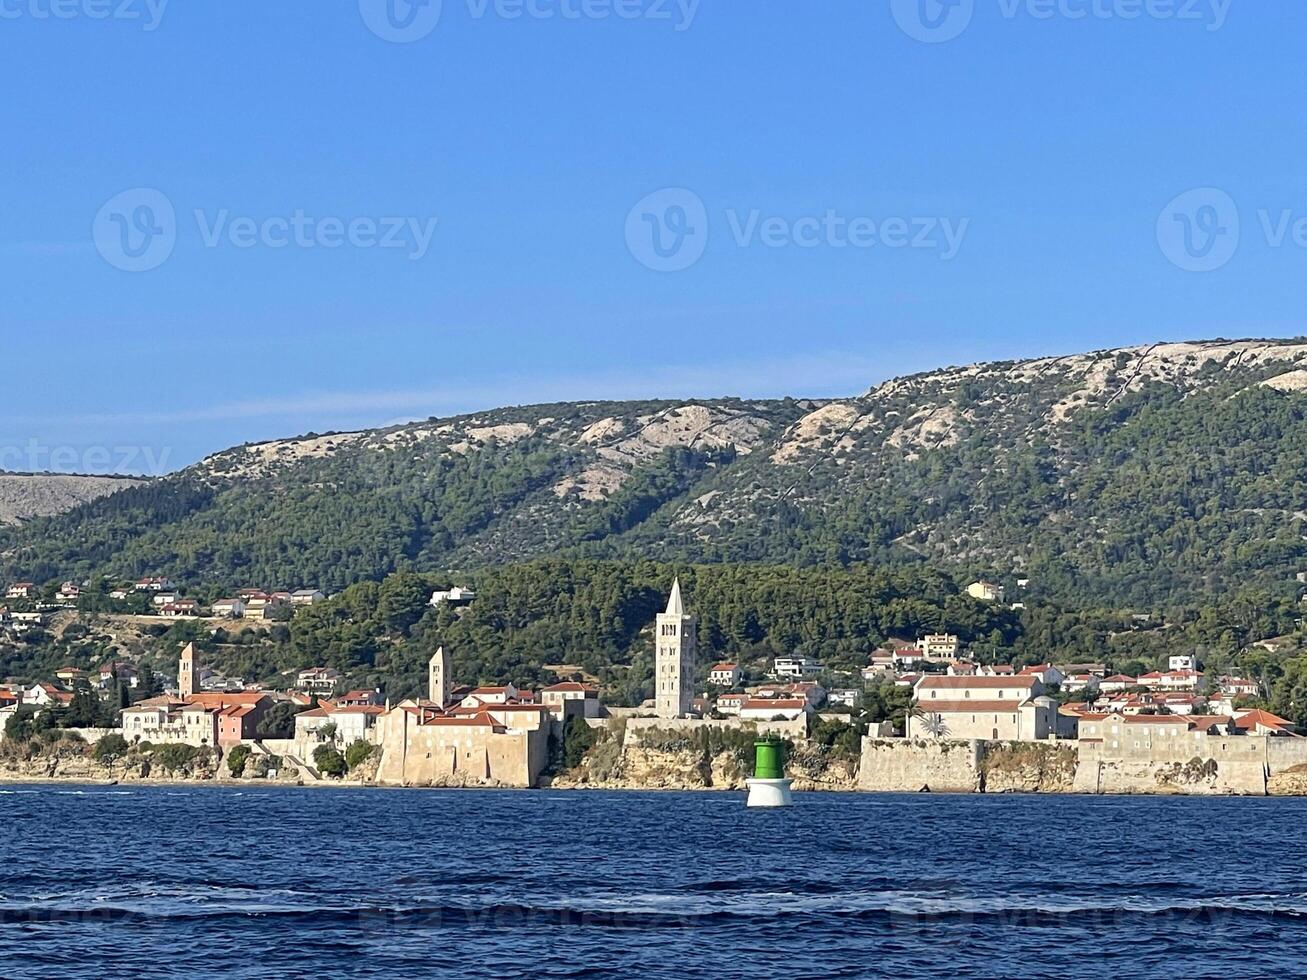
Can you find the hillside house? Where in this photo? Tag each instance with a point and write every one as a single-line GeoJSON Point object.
{"type": "Point", "coordinates": [795, 667]}
{"type": "Point", "coordinates": [774, 709]}
{"type": "Point", "coordinates": [985, 591]}
{"type": "Point", "coordinates": [572, 698]}
{"type": "Point", "coordinates": [939, 646]}
{"type": "Point", "coordinates": [229, 608]}
{"type": "Point", "coordinates": [457, 596]}
{"type": "Point", "coordinates": [725, 675]}
{"type": "Point", "coordinates": [318, 680]}
{"type": "Point", "coordinates": [730, 704]}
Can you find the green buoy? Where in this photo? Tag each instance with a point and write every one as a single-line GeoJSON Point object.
{"type": "Point", "coordinates": [769, 759]}
{"type": "Point", "coordinates": [769, 787]}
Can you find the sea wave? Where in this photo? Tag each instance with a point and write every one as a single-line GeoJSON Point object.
{"type": "Point", "coordinates": [637, 911]}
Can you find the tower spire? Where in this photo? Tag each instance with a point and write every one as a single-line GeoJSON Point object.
{"type": "Point", "coordinates": [674, 605]}
{"type": "Point", "coordinates": [674, 656]}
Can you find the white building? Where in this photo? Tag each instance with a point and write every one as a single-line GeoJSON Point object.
{"type": "Point", "coordinates": [992, 708]}
{"type": "Point", "coordinates": [773, 709]}
{"type": "Point", "coordinates": [339, 726]}
{"type": "Point", "coordinates": [725, 675]}
{"type": "Point", "coordinates": [1047, 674]}
{"type": "Point", "coordinates": [795, 667]}
{"type": "Point", "coordinates": [1182, 662]}
{"type": "Point", "coordinates": [306, 597]}
{"type": "Point", "coordinates": [455, 596]}
{"type": "Point", "coordinates": [572, 697]}
{"type": "Point", "coordinates": [318, 680]}
{"type": "Point", "coordinates": [985, 591]}
{"type": "Point", "coordinates": [229, 608]}
{"type": "Point", "coordinates": [939, 646]}
{"type": "Point", "coordinates": [730, 704]}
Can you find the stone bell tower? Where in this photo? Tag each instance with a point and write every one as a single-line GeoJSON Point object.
{"type": "Point", "coordinates": [186, 672]}
{"type": "Point", "coordinates": [674, 658]}
{"type": "Point", "coordinates": [438, 678]}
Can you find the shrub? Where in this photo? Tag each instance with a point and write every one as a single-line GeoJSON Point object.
{"type": "Point", "coordinates": [578, 739]}
{"type": "Point", "coordinates": [110, 749]}
{"type": "Point", "coordinates": [176, 757]}
{"type": "Point", "coordinates": [237, 758]}
{"type": "Point", "coordinates": [328, 761]}
{"type": "Point", "coordinates": [358, 753]}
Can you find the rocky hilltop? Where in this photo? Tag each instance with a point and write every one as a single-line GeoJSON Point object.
{"type": "Point", "coordinates": [1141, 475]}
{"type": "Point", "coordinates": [24, 496]}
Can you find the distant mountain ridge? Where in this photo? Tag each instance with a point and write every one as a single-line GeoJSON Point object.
{"type": "Point", "coordinates": [1140, 475]}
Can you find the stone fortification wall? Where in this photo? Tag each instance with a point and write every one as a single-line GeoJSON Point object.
{"type": "Point", "coordinates": [901, 765]}
{"type": "Point", "coordinates": [1200, 765]}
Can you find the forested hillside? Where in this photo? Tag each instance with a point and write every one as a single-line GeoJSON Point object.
{"type": "Point", "coordinates": [538, 621]}
{"type": "Point", "coordinates": [1137, 477]}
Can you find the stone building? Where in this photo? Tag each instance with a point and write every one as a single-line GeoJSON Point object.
{"type": "Point", "coordinates": [674, 659]}
{"type": "Point", "coordinates": [993, 708]}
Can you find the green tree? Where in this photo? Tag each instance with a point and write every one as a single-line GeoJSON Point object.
{"type": "Point", "coordinates": [578, 739]}
{"type": "Point", "coordinates": [358, 752]}
{"type": "Point", "coordinates": [328, 761]}
{"type": "Point", "coordinates": [237, 758]}
{"type": "Point", "coordinates": [279, 720]}
{"type": "Point", "coordinates": [176, 757]}
{"type": "Point", "coordinates": [110, 749]}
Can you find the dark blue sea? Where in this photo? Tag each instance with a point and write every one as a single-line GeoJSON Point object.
{"type": "Point", "coordinates": [106, 882]}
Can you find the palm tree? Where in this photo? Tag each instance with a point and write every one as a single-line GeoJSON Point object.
{"type": "Point", "coordinates": [932, 723]}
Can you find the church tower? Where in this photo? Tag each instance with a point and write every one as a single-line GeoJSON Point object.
{"type": "Point", "coordinates": [674, 658]}
{"type": "Point", "coordinates": [438, 678]}
{"type": "Point", "coordinates": [186, 672]}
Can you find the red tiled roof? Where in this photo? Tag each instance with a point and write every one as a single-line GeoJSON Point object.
{"type": "Point", "coordinates": [761, 703]}
{"type": "Point", "coordinates": [1257, 716]}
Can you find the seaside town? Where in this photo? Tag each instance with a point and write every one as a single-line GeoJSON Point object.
{"type": "Point", "coordinates": [506, 735]}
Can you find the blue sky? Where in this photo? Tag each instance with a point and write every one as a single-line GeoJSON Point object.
{"type": "Point", "coordinates": [835, 200]}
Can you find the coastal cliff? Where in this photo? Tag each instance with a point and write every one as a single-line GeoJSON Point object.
{"type": "Point", "coordinates": [1235, 766]}
{"type": "Point", "coordinates": [708, 759]}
